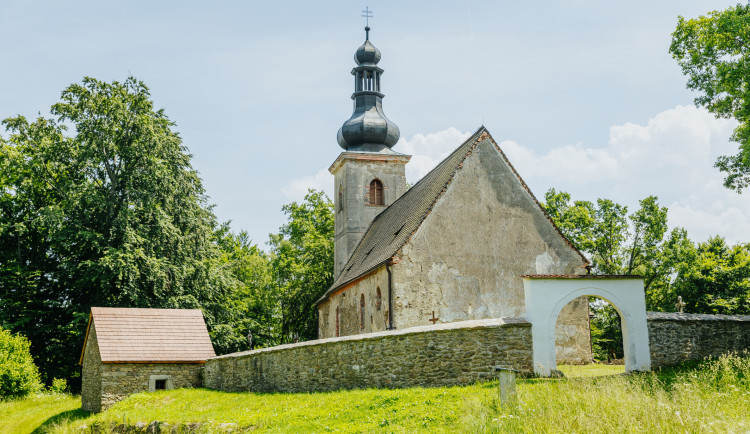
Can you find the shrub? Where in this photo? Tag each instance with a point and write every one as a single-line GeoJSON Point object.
{"type": "Point", "coordinates": [59, 385]}
{"type": "Point", "coordinates": [19, 375]}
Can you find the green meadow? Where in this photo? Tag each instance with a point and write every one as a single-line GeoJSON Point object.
{"type": "Point", "coordinates": [710, 397]}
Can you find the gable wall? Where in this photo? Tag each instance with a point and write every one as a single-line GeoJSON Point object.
{"type": "Point", "coordinates": [348, 302]}
{"type": "Point", "coordinates": [91, 381]}
{"type": "Point", "coordinates": [466, 259]}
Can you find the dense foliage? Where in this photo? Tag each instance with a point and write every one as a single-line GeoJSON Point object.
{"type": "Point", "coordinates": [714, 53]}
{"type": "Point", "coordinates": [302, 262]}
{"type": "Point", "coordinates": [279, 288]}
{"type": "Point", "coordinates": [711, 277]}
{"type": "Point", "coordinates": [19, 375]}
{"type": "Point", "coordinates": [101, 207]}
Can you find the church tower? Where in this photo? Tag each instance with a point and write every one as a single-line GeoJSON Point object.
{"type": "Point", "coordinates": [369, 175]}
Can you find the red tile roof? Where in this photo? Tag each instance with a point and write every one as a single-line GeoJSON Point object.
{"type": "Point", "coordinates": [150, 335]}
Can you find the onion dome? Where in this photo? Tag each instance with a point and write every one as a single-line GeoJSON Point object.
{"type": "Point", "coordinates": [368, 129]}
{"type": "Point", "coordinates": [367, 54]}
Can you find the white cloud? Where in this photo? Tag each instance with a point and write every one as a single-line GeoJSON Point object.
{"type": "Point", "coordinates": [427, 150]}
{"type": "Point", "coordinates": [671, 157]}
{"type": "Point", "coordinates": [296, 189]}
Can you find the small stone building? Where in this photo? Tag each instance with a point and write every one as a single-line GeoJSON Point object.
{"type": "Point", "coordinates": [131, 350]}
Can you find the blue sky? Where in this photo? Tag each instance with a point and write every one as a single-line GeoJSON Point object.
{"type": "Point", "coordinates": [582, 95]}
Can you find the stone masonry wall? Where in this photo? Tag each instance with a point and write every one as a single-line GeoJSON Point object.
{"type": "Point", "coordinates": [348, 303]}
{"type": "Point", "coordinates": [91, 381]}
{"type": "Point", "coordinates": [573, 333]}
{"type": "Point", "coordinates": [441, 355]}
{"type": "Point", "coordinates": [679, 337]}
{"type": "Point", "coordinates": [119, 380]}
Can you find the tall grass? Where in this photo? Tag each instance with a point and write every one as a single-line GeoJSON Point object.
{"type": "Point", "coordinates": [715, 397]}
{"type": "Point", "coordinates": [38, 412]}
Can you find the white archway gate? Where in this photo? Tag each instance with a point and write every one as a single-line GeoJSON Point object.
{"type": "Point", "coordinates": [547, 295]}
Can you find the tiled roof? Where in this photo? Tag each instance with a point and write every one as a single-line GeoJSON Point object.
{"type": "Point", "coordinates": [150, 335]}
{"type": "Point", "coordinates": [393, 227]}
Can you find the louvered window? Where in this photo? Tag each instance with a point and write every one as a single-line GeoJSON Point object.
{"type": "Point", "coordinates": [376, 193]}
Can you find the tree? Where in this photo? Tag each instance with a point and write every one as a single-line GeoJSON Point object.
{"type": "Point", "coordinates": [109, 214]}
{"type": "Point", "coordinates": [714, 52]}
{"type": "Point", "coordinates": [616, 243]}
{"type": "Point", "coordinates": [302, 261]}
{"type": "Point", "coordinates": [256, 298]}
{"type": "Point", "coordinates": [712, 278]}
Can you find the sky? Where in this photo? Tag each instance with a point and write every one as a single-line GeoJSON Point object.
{"type": "Point", "coordinates": [582, 95]}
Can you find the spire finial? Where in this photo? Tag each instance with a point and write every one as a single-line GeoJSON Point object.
{"type": "Point", "coordinates": [367, 14]}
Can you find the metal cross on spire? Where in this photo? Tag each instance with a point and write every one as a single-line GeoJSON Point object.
{"type": "Point", "coordinates": [367, 14]}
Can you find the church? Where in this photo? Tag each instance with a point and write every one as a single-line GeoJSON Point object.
{"type": "Point", "coordinates": [452, 247]}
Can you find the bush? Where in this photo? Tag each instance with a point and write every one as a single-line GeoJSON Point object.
{"type": "Point", "coordinates": [59, 385]}
{"type": "Point", "coordinates": [19, 375]}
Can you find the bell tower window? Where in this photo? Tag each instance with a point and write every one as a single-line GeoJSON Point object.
{"type": "Point", "coordinates": [376, 193]}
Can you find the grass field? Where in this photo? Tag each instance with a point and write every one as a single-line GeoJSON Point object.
{"type": "Point", "coordinates": [38, 411]}
{"type": "Point", "coordinates": [714, 397]}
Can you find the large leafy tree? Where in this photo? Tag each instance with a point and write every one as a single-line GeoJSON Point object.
{"type": "Point", "coordinates": [714, 52]}
{"type": "Point", "coordinates": [99, 206]}
{"type": "Point", "coordinates": [617, 243]}
{"type": "Point", "coordinates": [302, 262]}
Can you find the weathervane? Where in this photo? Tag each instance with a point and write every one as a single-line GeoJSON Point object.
{"type": "Point", "coordinates": [367, 14]}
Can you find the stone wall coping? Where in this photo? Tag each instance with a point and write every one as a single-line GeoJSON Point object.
{"type": "Point", "coordinates": [582, 276]}
{"type": "Point", "coordinates": [457, 325]}
{"type": "Point", "coordinates": [676, 316]}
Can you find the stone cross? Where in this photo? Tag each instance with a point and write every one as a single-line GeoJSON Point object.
{"type": "Point", "coordinates": [680, 304]}
{"type": "Point", "coordinates": [433, 319]}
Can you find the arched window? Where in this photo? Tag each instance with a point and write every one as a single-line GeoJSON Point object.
{"type": "Point", "coordinates": [378, 299]}
{"type": "Point", "coordinates": [338, 322]}
{"type": "Point", "coordinates": [376, 193]}
{"type": "Point", "coordinates": [362, 312]}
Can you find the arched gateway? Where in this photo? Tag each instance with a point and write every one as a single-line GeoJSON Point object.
{"type": "Point", "coordinates": [546, 295]}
